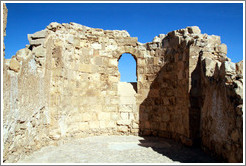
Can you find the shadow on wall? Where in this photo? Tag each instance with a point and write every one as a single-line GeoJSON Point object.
{"type": "Point", "coordinates": [176, 151]}
{"type": "Point", "coordinates": [165, 112]}
{"type": "Point", "coordinates": [134, 85]}
{"type": "Point", "coordinates": [196, 102]}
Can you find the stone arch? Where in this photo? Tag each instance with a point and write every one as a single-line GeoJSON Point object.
{"type": "Point", "coordinates": [133, 83]}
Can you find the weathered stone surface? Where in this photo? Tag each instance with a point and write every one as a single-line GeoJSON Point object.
{"type": "Point", "coordinates": [5, 13]}
{"type": "Point", "coordinates": [194, 30]}
{"type": "Point", "coordinates": [68, 86]}
{"type": "Point", "coordinates": [14, 65]}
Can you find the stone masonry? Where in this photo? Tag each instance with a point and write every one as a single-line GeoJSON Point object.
{"type": "Point", "coordinates": [66, 84]}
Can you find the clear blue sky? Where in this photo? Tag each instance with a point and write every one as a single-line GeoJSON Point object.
{"type": "Point", "coordinates": [144, 20]}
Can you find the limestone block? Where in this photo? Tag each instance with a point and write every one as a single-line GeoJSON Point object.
{"type": "Point", "coordinates": [194, 30]}
{"type": "Point", "coordinates": [14, 65]}
{"type": "Point", "coordinates": [98, 61]}
{"type": "Point", "coordinates": [239, 67]}
{"type": "Point", "coordinates": [113, 63]}
{"type": "Point", "coordinates": [114, 116]}
{"type": "Point", "coordinates": [230, 67]}
{"type": "Point", "coordinates": [112, 47]}
{"type": "Point", "coordinates": [39, 51]}
{"type": "Point", "coordinates": [103, 124]}
{"type": "Point", "coordinates": [235, 135]}
{"type": "Point", "coordinates": [156, 39]}
{"type": "Point", "coordinates": [128, 41]}
{"type": "Point", "coordinates": [122, 128]}
{"type": "Point", "coordinates": [209, 66]}
{"type": "Point", "coordinates": [111, 124]}
{"type": "Point", "coordinates": [22, 54]}
{"type": "Point", "coordinates": [239, 88]}
{"type": "Point", "coordinates": [222, 48]}
{"type": "Point", "coordinates": [124, 122]}
{"type": "Point", "coordinates": [175, 41]}
{"type": "Point", "coordinates": [127, 100]}
{"type": "Point", "coordinates": [76, 42]}
{"type": "Point", "coordinates": [141, 62]}
{"type": "Point", "coordinates": [153, 46]}
{"type": "Point", "coordinates": [37, 42]}
{"type": "Point", "coordinates": [147, 125]}
{"type": "Point", "coordinates": [39, 34]}
{"type": "Point", "coordinates": [135, 126]}
{"type": "Point", "coordinates": [126, 108]}
{"type": "Point", "coordinates": [85, 68]}
{"type": "Point", "coordinates": [83, 126]}
{"type": "Point", "coordinates": [124, 116]}
{"type": "Point", "coordinates": [104, 116]}
{"type": "Point", "coordinates": [86, 116]}
{"type": "Point", "coordinates": [165, 117]}
{"type": "Point", "coordinates": [131, 116]}
{"type": "Point", "coordinates": [112, 108]}
{"type": "Point", "coordinates": [213, 40]}
{"type": "Point", "coordinates": [94, 124]}
{"type": "Point", "coordinates": [113, 79]}
{"type": "Point", "coordinates": [53, 26]}
{"type": "Point", "coordinates": [96, 45]}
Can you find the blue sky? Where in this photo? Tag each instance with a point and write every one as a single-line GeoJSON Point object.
{"type": "Point", "coordinates": [142, 20]}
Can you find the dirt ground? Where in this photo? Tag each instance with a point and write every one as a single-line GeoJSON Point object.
{"type": "Point", "coordinates": [119, 149]}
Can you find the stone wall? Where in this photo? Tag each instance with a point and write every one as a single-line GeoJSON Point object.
{"type": "Point", "coordinates": [65, 84]}
{"type": "Point", "coordinates": [221, 112]}
{"type": "Point", "coordinates": [5, 13]}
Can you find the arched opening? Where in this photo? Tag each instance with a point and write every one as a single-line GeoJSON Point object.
{"type": "Point", "coordinates": [127, 65]}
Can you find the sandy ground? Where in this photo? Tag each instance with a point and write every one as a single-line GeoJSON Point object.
{"type": "Point", "coordinates": [118, 149]}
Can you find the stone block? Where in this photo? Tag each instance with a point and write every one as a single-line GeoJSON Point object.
{"type": "Point", "coordinates": [87, 68]}
{"type": "Point", "coordinates": [86, 117]}
{"type": "Point", "coordinates": [102, 124]}
{"type": "Point", "coordinates": [235, 135]}
{"type": "Point", "coordinates": [112, 63]}
{"type": "Point", "coordinates": [194, 30]}
{"type": "Point", "coordinates": [96, 46]}
{"type": "Point", "coordinates": [83, 126]}
{"type": "Point", "coordinates": [113, 79]}
{"type": "Point", "coordinates": [230, 67]}
{"type": "Point", "coordinates": [111, 124]}
{"type": "Point", "coordinates": [14, 65]}
{"type": "Point", "coordinates": [127, 100]}
{"type": "Point", "coordinates": [39, 52]}
{"type": "Point", "coordinates": [122, 128]}
{"type": "Point", "coordinates": [94, 124]}
{"type": "Point", "coordinates": [104, 116]}
{"type": "Point", "coordinates": [135, 126]}
{"type": "Point", "coordinates": [124, 122]}
{"type": "Point", "coordinates": [126, 108]}
{"type": "Point", "coordinates": [36, 42]}
{"type": "Point", "coordinates": [98, 61]}
{"type": "Point", "coordinates": [124, 116]}
{"type": "Point", "coordinates": [114, 116]}
{"type": "Point", "coordinates": [76, 42]}
{"type": "Point", "coordinates": [147, 125]}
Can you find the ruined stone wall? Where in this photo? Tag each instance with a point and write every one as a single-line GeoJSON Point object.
{"type": "Point", "coordinates": [66, 84]}
{"type": "Point", "coordinates": [216, 98]}
{"type": "Point", "coordinates": [5, 13]}
{"type": "Point", "coordinates": [26, 84]}
{"type": "Point", "coordinates": [221, 113]}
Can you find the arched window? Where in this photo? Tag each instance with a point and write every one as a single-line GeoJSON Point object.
{"type": "Point", "coordinates": [127, 68]}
